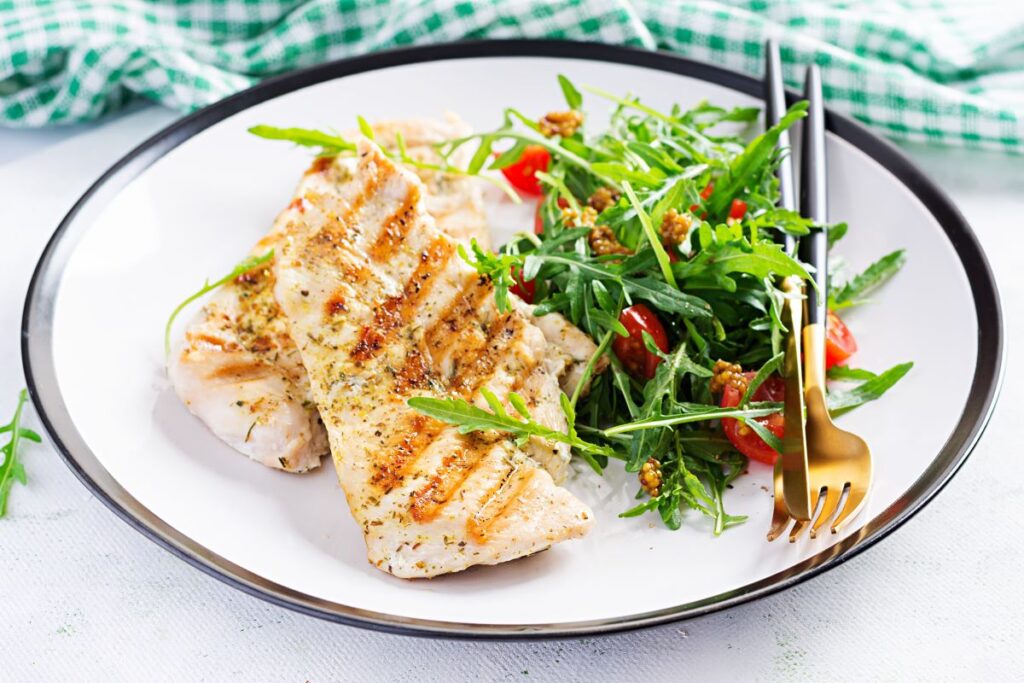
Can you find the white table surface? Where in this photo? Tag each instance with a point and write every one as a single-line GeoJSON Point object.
{"type": "Point", "coordinates": [85, 597]}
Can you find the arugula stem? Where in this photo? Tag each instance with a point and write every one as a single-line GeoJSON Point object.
{"type": "Point", "coordinates": [686, 418]}
{"type": "Point", "coordinates": [652, 236]}
{"type": "Point", "coordinates": [589, 369]}
{"type": "Point", "coordinates": [242, 268]}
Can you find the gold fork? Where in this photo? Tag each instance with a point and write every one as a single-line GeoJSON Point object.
{"type": "Point", "coordinates": [837, 460]}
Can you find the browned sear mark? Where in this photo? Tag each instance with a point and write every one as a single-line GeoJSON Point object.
{"type": "Point", "coordinates": [335, 304]}
{"type": "Point", "coordinates": [319, 165]}
{"type": "Point", "coordinates": [426, 503]}
{"type": "Point", "coordinates": [411, 438]}
{"type": "Point", "coordinates": [396, 311]}
{"type": "Point", "coordinates": [414, 374]}
{"type": "Point", "coordinates": [395, 228]}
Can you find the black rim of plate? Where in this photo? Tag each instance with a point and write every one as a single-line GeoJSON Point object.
{"type": "Point", "coordinates": [37, 356]}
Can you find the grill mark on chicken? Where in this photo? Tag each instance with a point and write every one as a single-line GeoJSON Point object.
{"type": "Point", "coordinates": [479, 358]}
{"type": "Point", "coordinates": [415, 373]}
{"type": "Point", "coordinates": [319, 165]}
{"type": "Point", "coordinates": [340, 230]}
{"type": "Point", "coordinates": [411, 437]}
{"type": "Point", "coordinates": [455, 468]}
{"type": "Point", "coordinates": [218, 342]}
{"type": "Point", "coordinates": [396, 311]}
{"type": "Point", "coordinates": [395, 228]}
{"type": "Point", "coordinates": [498, 500]}
{"type": "Point", "coordinates": [459, 315]}
{"type": "Point", "coordinates": [241, 371]}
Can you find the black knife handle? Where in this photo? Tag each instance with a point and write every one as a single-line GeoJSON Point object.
{"type": "Point", "coordinates": [814, 196]}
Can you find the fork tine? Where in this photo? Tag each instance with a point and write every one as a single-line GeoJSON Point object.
{"type": "Point", "coordinates": [832, 496]}
{"type": "Point", "coordinates": [801, 524]}
{"type": "Point", "coordinates": [798, 528]}
{"type": "Point", "coordinates": [780, 516]}
{"type": "Point", "coordinates": [854, 503]}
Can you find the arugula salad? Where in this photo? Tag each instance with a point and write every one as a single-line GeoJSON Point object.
{"type": "Point", "coordinates": [656, 233]}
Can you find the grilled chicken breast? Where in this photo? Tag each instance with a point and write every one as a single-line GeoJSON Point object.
{"type": "Point", "coordinates": [237, 367]}
{"type": "Point", "coordinates": [383, 309]}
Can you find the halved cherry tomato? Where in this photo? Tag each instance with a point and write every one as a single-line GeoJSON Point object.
{"type": "Point", "coordinates": [737, 209]}
{"type": "Point", "coordinates": [839, 341]}
{"type": "Point", "coordinates": [521, 174]}
{"type": "Point", "coordinates": [524, 289]}
{"type": "Point", "coordinates": [630, 350]}
{"type": "Point", "coordinates": [743, 437]}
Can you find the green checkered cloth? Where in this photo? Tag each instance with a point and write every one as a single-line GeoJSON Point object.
{"type": "Point", "coordinates": [938, 71]}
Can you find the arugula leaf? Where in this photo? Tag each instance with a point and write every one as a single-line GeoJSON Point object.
{"type": "Point", "coordinates": [329, 144]}
{"type": "Point", "coordinates": [766, 370]}
{"type": "Point", "coordinates": [835, 233]}
{"type": "Point", "coordinates": [666, 297]}
{"type": "Point", "coordinates": [841, 373]}
{"type": "Point", "coordinates": [245, 266]}
{"type": "Point", "coordinates": [745, 168]}
{"type": "Point", "coordinates": [472, 418]}
{"type": "Point", "coordinates": [11, 469]}
{"type": "Point", "coordinates": [653, 239]}
{"type": "Point", "coordinates": [572, 96]}
{"type": "Point", "coordinates": [873, 277]}
{"type": "Point", "coordinates": [840, 402]}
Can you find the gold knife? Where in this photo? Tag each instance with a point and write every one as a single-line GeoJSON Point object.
{"type": "Point", "coordinates": [793, 461]}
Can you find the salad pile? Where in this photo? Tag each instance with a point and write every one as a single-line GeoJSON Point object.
{"type": "Point", "coordinates": [657, 235]}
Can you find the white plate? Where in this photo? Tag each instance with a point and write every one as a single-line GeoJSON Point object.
{"type": "Point", "coordinates": [189, 202]}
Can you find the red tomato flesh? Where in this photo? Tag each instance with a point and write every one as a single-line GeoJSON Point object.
{"type": "Point", "coordinates": [630, 350]}
{"type": "Point", "coordinates": [525, 290]}
{"type": "Point", "coordinates": [521, 174]}
{"type": "Point", "coordinates": [839, 341]}
{"type": "Point", "coordinates": [737, 209]}
{"type": "Point", "coordinates": [743, 437]}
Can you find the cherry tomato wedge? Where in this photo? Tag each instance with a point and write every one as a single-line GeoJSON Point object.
{"type": "Point", "coordinates": [630, 350]}
{"type": "Point", "coordinates": [839, 341]}
{"type": "Point", "coordinates": [521, 174]}
{"type": "Point", "coordinates": [525, 290]}
{"type": "Point", "coordinates": [743, 437]}
{"type": "Point", "coordinates": [737, 209]}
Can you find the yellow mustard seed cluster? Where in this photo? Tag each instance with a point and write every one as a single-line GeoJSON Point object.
{"type": "Point", "coordinates": [650, 477]}
{"type": "Point", "coordinates": [603, 241]}
{"type": "Point", "coordinates": [561, 123]}
{"type": "Point", "coordinates": [603, 198]}
{"type": "Point", "coordinates": [727, 374]}
{"type": "Point", "coordinates": [675, 227]}
{"type": "Point", "coordinates": [572, 218]}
